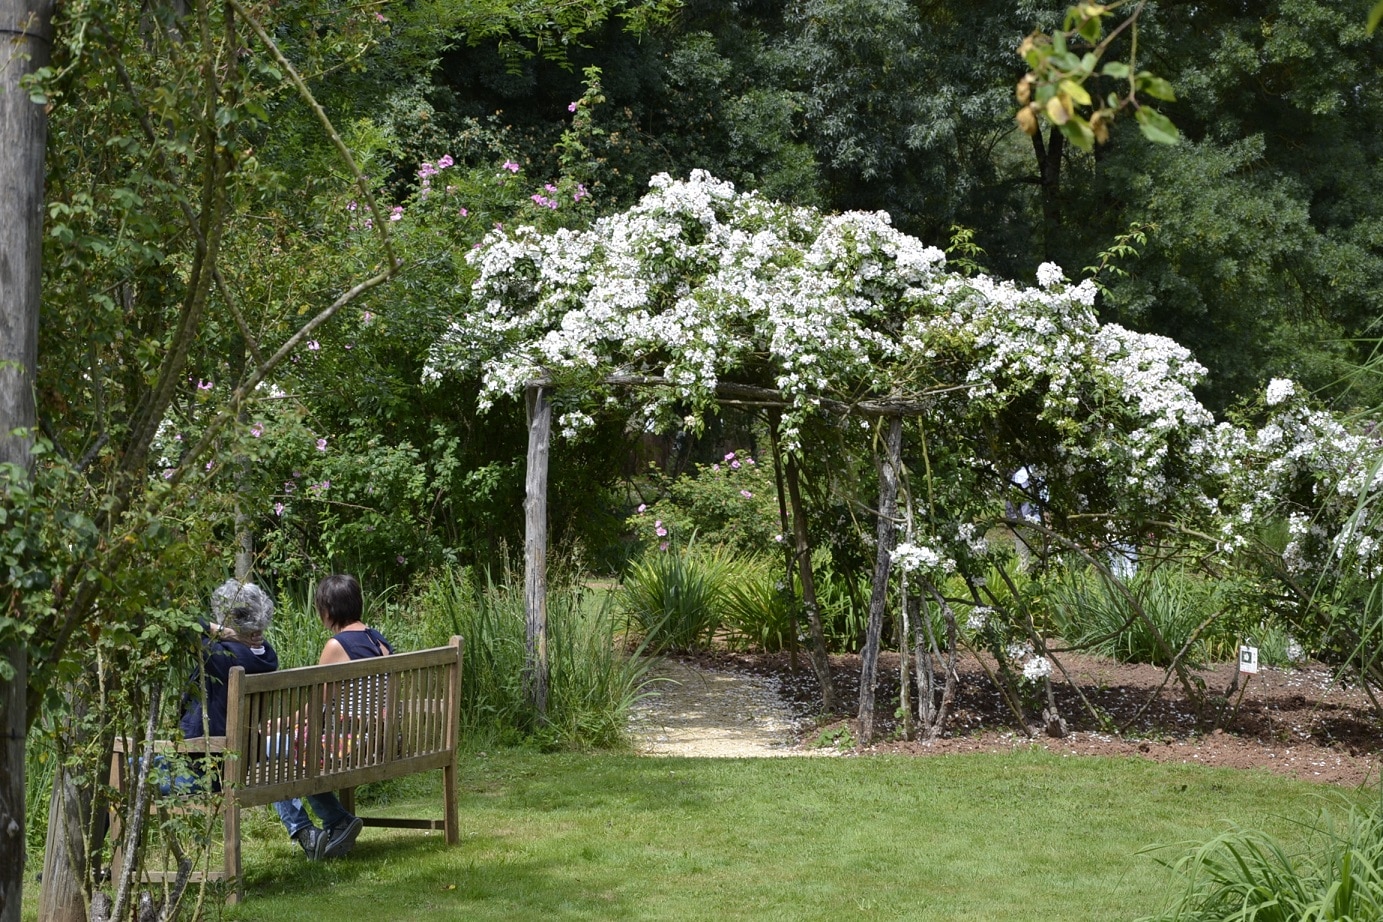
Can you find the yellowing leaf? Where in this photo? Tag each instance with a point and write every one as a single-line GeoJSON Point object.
{"type": "Point", "coordinates": [1027, 120]}
{"type": "Point", "coordinates": [1057, 110]}
{"type": "Point", "coordinates": [1075, 91]}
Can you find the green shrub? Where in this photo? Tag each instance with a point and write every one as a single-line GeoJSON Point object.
{"type": "Point", "coordinates": [1094, 615]}
{"type": "Point", "coordinates": [593, 683]}
{"type": "Point", "coordinates": [1336, 874]}
{"type": "Point", "coordinates": [675, 599]}
{"type": "Point", "coordinates": [758, 608]}
{"type": "Point", "coordinates": [731, 503]}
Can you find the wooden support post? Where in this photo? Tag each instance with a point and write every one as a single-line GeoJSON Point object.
{"type": "Point", "coordinates": [886, 530]}
{"type": "Point", "coordinates": [784, 530]}
{"type": "Point", "coordinates": [821, 661]}
{"type": "Point", "coordinates": [535, 672]}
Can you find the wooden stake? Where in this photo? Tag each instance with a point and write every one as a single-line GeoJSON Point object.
{"type": "Point", "coordinates": [535, 672]}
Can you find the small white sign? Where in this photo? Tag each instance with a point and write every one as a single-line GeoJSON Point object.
{"type": "Point", "coordinates": [1248, 659]}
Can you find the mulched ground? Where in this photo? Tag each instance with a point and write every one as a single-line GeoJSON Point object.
{"type": "Point", "coordinates": [1299, 722]}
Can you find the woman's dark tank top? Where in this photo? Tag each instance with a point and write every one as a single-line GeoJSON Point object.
{"type": "Point", "coordinates": [363, 644]}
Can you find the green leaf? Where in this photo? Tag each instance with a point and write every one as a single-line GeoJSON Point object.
{"type": "Point", "coordinates": [1155, 86]}
{"type": "Point", "coordinates": [1077, 130]}
{"type": "Point", "coordinates": [1116, 69]}
{"type": "Point", "coordinates": [1156, 126]}
{"type": "Point", "coordinates": [1090, 29]}
{"type": "Point", "coordinates": [1375, 16]}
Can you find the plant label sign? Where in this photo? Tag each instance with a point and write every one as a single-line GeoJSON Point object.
{"type": "Point", "coordinates": [1248, 659]}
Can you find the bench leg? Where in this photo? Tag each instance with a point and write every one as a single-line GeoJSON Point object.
{"type": "Point", "coordinates": [453, 828]}
{"type": "Point", "coordinates": [231, 829]}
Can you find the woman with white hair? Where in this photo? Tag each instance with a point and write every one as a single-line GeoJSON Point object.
{"type": "Point", "coordinates": [241, 613]}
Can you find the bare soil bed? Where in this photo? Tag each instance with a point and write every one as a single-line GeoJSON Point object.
{"type": "Point", "coordinates": [1298, 722]}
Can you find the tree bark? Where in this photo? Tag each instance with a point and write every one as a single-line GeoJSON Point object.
{"type": "Point", "coordinates": [885, 532]}
{"type": "Point", "coordinates": [25, 42]}
{"type": "Point", "coordinates": [62, 896]}
{"type": "Point", "coordinates": [821, 662]}
{"type": "Point", "coordinates": [535, 671]}
{"type": "Point", "coordinates": [1049, 181]}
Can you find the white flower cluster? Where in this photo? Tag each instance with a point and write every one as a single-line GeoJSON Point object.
{"type": "Point", "coordinates": [1033, 667]}
{"type": "Point", "coordinates": [573, 423]}
{"type": "Point", "coordinates": [979, 617]}
{"type": "Point", "coordinates": [1279, 390]}
{"type": "Point", "coordinates": [1305, 468]}
{"type": "Point", "coordinates": [973, 537]}
{"type": "Point", "coordinates": [696, 283]}
{"type": "Point", "coordinates": [1036, 668]}
{"type": "Point", "coordinates": [912, 558]}
{"type": "Point", "coordinates": [699, 283]}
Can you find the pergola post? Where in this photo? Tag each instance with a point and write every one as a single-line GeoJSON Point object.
{"type": "Point", "coordinates": [889, 464]}
{"type": "Point", "coordinates": [535, 671]}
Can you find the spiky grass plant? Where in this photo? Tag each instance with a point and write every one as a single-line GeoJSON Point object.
{"type": "Point", "coordinates": [759, 609]}
{"type": "Point", "coordinates": [1092, 613]}
{"type": "Point", "coordinates": [674, 599]}
{"type": "Point", "coordinates": [1334, 875]}
{"type": "Point", "coordinates": [592, 682]}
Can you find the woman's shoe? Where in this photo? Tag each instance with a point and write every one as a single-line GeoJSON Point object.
{"type": "Point", "coordinates": [341, 839]}
{"type": "Point", "coordinates": [313, 841]}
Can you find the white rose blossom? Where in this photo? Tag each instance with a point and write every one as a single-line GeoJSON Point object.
{"type": "Point", "coordinates": [1279, 390]}
{"type": "Point", "coordinates": [1039, 667]}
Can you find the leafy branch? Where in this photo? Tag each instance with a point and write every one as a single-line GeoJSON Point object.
{"type": "Point", "coordinates": [1125, 246]}
{"type": "Point", "coordinates": [1056, 84]}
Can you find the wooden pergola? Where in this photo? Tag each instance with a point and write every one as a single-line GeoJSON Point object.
{"type": "Point", "coordinates": [538, 403]}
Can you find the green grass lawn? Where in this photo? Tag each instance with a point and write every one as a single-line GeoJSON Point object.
{"type": "Point", "coordinates": [1027, 836]}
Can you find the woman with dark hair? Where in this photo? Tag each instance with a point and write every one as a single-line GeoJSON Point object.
{"type": "Point", "coordinates": [339, 604]}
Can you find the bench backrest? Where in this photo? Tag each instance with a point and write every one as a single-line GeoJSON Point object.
{"type": "Point", "coordinates": [320, 728]}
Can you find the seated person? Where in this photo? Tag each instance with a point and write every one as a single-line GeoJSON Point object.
{"type": "Point", "coordinates": [339, 604]}
{"type": "Point", "coordinates": [241, 613]}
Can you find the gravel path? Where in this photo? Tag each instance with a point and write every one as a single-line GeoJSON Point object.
{"type": "Point", "coordinates": [694, 711]}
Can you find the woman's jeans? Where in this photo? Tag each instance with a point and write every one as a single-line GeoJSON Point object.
{"type": "Point", "coordinates": [327, 807]}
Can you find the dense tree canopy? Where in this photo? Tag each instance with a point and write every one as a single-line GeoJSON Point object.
{"type": "Point", "coordinates": [1259, 258]}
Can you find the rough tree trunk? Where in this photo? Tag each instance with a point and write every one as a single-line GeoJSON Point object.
{"type": "Point", "coordinates": [62, 897]}
{"type": "Point", "coordinates": [886, 532]}
{"type": "Point", "coordinates": [25, 40]}
{"type": "Point", "coordinates": [1048, 157]}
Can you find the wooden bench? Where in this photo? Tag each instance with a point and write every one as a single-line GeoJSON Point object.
{"type": "Point", "coordinates": [328, 728]}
